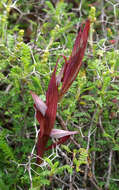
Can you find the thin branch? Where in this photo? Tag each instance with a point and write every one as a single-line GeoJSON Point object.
{"type": "Point", "coordinates": [29, 171]}
{"type": "Point", "coordinates": [93, 157]}
{"type": "Point", "coordinates": [61, 181]}
{"type": "Point", "coordinates": [88, 144]}
{"type": "Point", "coordinates": [109, 170]}
{"type": "Point", "coordinates": [95, 185]}
{"type": "Point", "coordinates": [61, 122]}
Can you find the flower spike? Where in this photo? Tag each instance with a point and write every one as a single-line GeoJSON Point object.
{"type": "Point", "coordinates": [46, 112]}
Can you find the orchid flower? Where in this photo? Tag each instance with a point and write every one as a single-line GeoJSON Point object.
{"type": "Point", "coordinates": [60, 134]}
{"type": "Point", "coordinates": [46, 112]}
{"type": "Point", "coordinates": [72, 66]}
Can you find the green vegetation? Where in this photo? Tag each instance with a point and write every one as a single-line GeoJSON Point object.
{"type": "Point", "coordinates": [33, 35]}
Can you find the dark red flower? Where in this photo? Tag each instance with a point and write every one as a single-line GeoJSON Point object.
{"type": "Point", "coordinates": [62, 135]}
{"type": "Point", "coordinates": [72, 66]}
{"type": "Point", "coordinates": [46, 112]}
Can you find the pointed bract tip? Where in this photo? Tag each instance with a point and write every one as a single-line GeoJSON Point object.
{"type": "Point", "coordinates": [58, 133]}
{"type": "Point", "coordinates": [39, 104]}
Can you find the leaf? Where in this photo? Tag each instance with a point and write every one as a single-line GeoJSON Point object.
{"type": "Point", "coordinates": [116, 147]}
{"type": "Point", "coordinates": [88, 97]}
{"type": "Point", "coordinates": [99, 102]}
{"type": "Point", "coordinates": [66, 148]}
{"type": "Point", "coordinates": [107, 135]}
{"type": "Point", "coordinates": [50, 6]}
{"type": "Point", "coordinates": [60, 170]}
{"type": "Point", "coordinates": [36, 83]}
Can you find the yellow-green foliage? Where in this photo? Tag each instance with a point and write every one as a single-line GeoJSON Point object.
{"type": "Point", "coordinates": [6, 152]}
